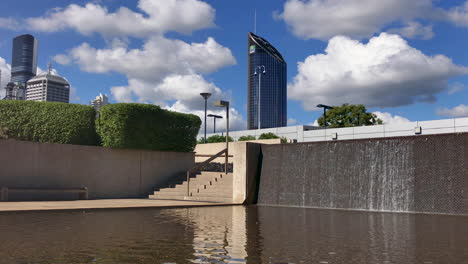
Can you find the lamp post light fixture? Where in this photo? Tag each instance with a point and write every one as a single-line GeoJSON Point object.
{"type": "Point", "coordinates": [225, 104]}
{"type": "Point", "coordinates": [325, 107]}
{"type": "Point", "coordinates": [214, 120]}
{"type": "Point", "coordinates": [259, 70]}
{"type": "Point", "coordinates": [205, 96]}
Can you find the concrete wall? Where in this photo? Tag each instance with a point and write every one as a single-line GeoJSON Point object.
{"type": "Point", "coordinates": [213, 148]}
{"type": "Point", "coordinates": [312, 134]}
{"type": "Point", "coordinates": [404, 174]}
{"type": "Point", "coordinates": [108, 173]}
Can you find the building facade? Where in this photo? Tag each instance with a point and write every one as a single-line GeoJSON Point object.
{"type": "Point", "coordinates": [47, 87]}
{"type": "Point", "coordinates": [266, 87]}
{"type": "Point", "coordinates": [99, 102]}
{"type": "Point", "coordinates": [24, 59]}
{"type": "Point", "coordinates": [15, 91]}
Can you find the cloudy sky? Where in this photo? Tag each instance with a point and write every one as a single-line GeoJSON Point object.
{"type": "Point", "coordinates": [405, 60]}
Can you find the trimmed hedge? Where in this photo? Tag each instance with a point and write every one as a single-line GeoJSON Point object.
{"type": "Point", "coordinates": [48, 122]}
{"type": "Point", "coordinates": [144, 126]}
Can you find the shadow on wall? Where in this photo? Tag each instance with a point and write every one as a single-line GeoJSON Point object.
{"type": "Point", "coordinates": [107, 173]}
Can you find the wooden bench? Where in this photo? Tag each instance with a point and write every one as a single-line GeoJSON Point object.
{"type": "Point", "coordinates": [82, 192]}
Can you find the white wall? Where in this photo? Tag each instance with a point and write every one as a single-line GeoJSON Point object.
{"type": "Point", "coordinates": [298, 133]}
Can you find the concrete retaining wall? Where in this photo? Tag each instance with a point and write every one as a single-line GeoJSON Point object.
{"type": "Point", "coordinates": [404, 174]}
{"type": "Point", "coordinates": [108, 173]}
{"type": "Point", "coordinates": [213, 148]}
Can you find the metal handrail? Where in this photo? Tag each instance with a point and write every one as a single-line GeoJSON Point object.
{"type": "Point", "coordinates": [201, 165]}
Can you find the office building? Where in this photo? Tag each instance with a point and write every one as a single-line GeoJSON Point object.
{"type": "Point", "coordinates": [14, 91]}
{"type": "Point", "coordinates": [48, 87]}
{"type": "Point", "coordinates": [100, 101]}
{"type": "Point", "coordinates": [24, 59]}
{"type": "Point", "coordinates": [266, 92]}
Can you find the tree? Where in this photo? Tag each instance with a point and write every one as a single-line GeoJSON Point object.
{"type": "Point", "coordinates": [349, 115]}
{"type": "Point", "coordinates": [268, 136]}
{"type": "Point", "coordinates": [215, 139]}
{"type": "Point", "coordinates": [246, 138]}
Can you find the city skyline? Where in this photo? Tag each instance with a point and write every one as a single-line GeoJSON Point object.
{"type": "Point", "coordinates": [407, 64]}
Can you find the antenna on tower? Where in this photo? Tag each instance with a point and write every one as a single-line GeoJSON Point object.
{"type": "Point", "coordinates": [49, 67]}
{"type": "Point", "coordinates": [255, 22]}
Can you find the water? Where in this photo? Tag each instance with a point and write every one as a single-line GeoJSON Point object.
{"type": "Point", "coordinates": [253, 234]}
{"type": "Point", "coordinates": [404, 174]}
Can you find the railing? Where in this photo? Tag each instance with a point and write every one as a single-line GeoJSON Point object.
{"type": "Point", "coordinates": [203, 164]}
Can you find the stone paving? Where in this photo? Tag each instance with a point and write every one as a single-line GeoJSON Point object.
{"type": "Point", "coordinates": [101, 204]}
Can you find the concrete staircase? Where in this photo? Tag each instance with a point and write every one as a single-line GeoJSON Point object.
{"type": "Point", "coordinates": [205, 186]}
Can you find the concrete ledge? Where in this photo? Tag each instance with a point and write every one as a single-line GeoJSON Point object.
{"type": "Point", "coordinates": [102, 204]}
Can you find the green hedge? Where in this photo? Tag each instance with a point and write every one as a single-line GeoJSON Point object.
{"type": "Point", "coordinates": [48, 122]}
{"type": "Point", "coordinates": [144, 126]}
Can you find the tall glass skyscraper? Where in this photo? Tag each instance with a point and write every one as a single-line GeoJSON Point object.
{"type": "Point", "coordinates": [24, 59]}
{"type": "Point", "coordinates": [267, 95]}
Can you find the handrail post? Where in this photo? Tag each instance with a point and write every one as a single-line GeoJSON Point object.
{"type": "Point", "coordinates": [188, 183]}
{"type": "Point", "coordinates": [4, 194]}
{"type": "Point", "coordinates": [227, 138]}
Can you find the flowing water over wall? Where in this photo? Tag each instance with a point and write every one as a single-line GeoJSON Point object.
{"type": "Point", "coordinates": [405, 174]}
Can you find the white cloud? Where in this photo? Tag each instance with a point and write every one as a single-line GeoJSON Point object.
{"type": "Point", "coordinates": [384, 72]}
{"type": "Point", "coordinates": [457, 111]}
{"type": "Point", "coordinates": [62, 59]}
{"type": "Point", "coordinates": [236, 121]}
{"type": "Point", "coordinates": [158, 58]}
{"type": "Point", "coordinates": [458, 15]}
{"type": "Point", "coordinates": [388, 118]}
{"type": "Point", "coordinates": [292, 121]}
{"type": "Point", "coordinates": [414, 29]}
{"type": "Point", "coordinates": [455, 88]}
{"type": "Point", "coordinates": [74, 98]}
{"type": "Point", "coordinates": [180, 93]}
{"type": "Point", "coordinates": [5, 76]}
{"type": "Point", "coordinates": [164, 71]}
{"type": "Point", "coordinates": [323, 19]}
{"type": "Point", "coordinates": [156, 17]}
{"type": "Point", "coordinates": [9, 23]}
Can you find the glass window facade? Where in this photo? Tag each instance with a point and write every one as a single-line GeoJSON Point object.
{"type": "Point", "coordinates": [24, 58]}
{"type": "Point", "coordinates": [266, 91]}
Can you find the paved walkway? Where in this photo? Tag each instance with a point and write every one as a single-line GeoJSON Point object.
{"type": "Point", "coordinates": [101, 204]}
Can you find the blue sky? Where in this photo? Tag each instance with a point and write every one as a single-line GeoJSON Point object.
{"type": "Point", "coordinates": [404, 59]}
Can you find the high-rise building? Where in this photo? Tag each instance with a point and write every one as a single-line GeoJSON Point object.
{"type": "Point", "coordinates": [14, 91]}
{"type": "Point", "coordinates": [24, 59]}
{"type": "Point", "coordinates": [100, 101]}
{"type": "Point", "coordinates": [266, 93]}
{"type": "Point", "coordinates": [48, 87]}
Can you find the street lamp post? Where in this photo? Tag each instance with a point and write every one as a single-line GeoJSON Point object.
{"type": "Point", "coordinates": [205, 96]}
{"type": "Point", "coordinates": [259, 68]}
{"type": "Point", "coordinates": [325, 107]}
{"type": "Point", "coordinates": [214, 121]}
{"type": "Point", "coordinates": [225, 104]}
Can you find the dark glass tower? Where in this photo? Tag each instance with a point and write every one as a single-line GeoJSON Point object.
{"type": "Point", "coordinates": [266, 85]}
{"type": "Point", "coordinates": [24, 59]}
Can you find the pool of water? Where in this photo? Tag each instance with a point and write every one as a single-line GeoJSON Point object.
{"type": "Point", "coordinates": [234, 234]}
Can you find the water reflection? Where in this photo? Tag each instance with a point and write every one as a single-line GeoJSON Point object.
{"type": "Point", "coordinates": [219, 235]}
{"type": "Point", "coordinates": [231, 235]}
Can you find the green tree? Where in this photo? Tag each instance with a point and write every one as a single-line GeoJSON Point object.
{"type": "Point", "coordinates": [246, 138]}
{"type": "Point", "coordinates": [215, 139]}
{"type": "Point", "coordinates": [349, 115]}
{"type": "Point", "coordinates": [268, 136]}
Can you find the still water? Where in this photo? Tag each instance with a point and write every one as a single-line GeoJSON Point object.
{"type": "Point", "coordinates": [253, 234]}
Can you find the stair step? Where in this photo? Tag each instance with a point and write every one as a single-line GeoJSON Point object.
{"type": "Point", "coordinates": [210, 199]}
{"type": "Point", "coordinates": [211, 195]}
